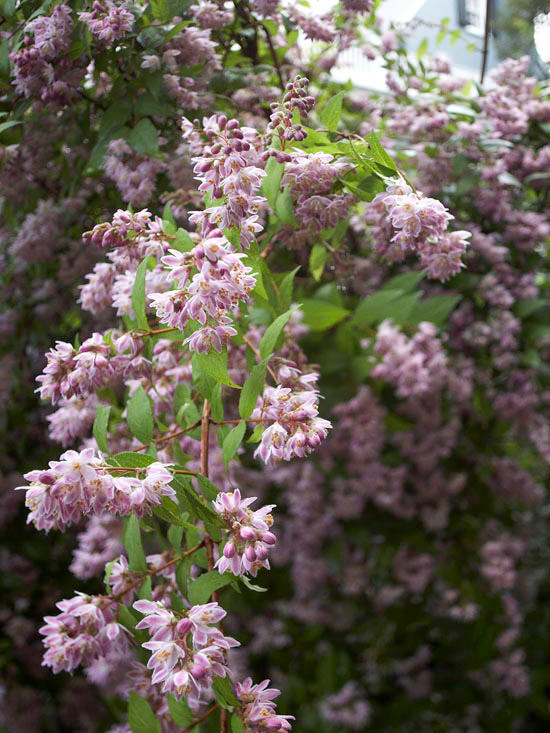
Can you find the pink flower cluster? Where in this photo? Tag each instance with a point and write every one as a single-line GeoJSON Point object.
{"type": "Point", "coordinates": [98, 544]}
{"type": "Point", "coordinates": [80, 484]}
{"type": "Point", "coordinates": [310, 177]}
{"type": "Point", "coordinates": [39, 66]}
{"type": "Point", "coordinates": [134, 174]}
{"type": "Point", "coordinates": [499, 558]}
{"type": "Point", "coordinates": [413, 365]}
{"type": "Point", "coordinates": [214, 291]}
{"type": "Point", "coordinates": [404, 221]}
{"type": "Point", "coordinates": [259, 712]}
{"type": "Point", "coordinates": [281, 123]}
{"type": "Point", "coordinates": [226, 168]}
{"type": "Point", "coordinates": [121, 232]}
{"type": "Point", "coordinates": [293, 406]}
{"type": "Point", "coordinates": [72, 419]}
{"type": "Point", "coordinates": [75, 372]}
{"type": "Point", "coordinates": [347, 707]}
{"type": "Point", "coordinates": [210, 15]}
{"type": "Point", "coordinates": [82, 633]}
{"type": "Point", "coordinates": [108, 21]}
{"type": "Point", "coordinates": [187, 651]}
{"type": "Point", "coordinates": [249, 538]}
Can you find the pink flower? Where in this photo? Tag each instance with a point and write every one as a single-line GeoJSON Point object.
{"type": "Point", "coordinates": [249, 538]}
{"type": "Point", "coordinates": [259, 711]}
{"type": "Point", "coordinates": [187, 652]}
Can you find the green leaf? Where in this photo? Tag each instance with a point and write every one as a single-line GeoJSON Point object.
{"type": "Point", "coordinates": [208, 489]}
{"type": "Point", "coordinates": [257, 434]}
{"type": "Point", "coordinates": [422, 49]}
{"type": "Point", "coordinates": [189, 499]}
{"type": "Point", "coordinates": [272, 333]}
{"type": "Point", "coordinates": [180, 711]}
{"type": "Point", "coordinates": [126, 617]}
{"type": "Point", "coordinates": [100, 427]}
{"type": "Point", "coordinates": [252, 388]}
{"type": "Point", "coordinates": [224, 694]}
{"type": "Point", "coordinates": [251, 586]}
{"type": "Point", "coordinates": [141, 717]}
{"type": "Point", "coordinates": [317, 260]}
{"type": "Point", "coordinates": [132, 543]}
{"type": "Point", "coordinates": [232, 442]}
{"type": "Point", "coordinates": [320, 314]}
{"type": "Point", "coordinates": [128, 459]}
{"type": "Point", "coordinates": [378, 153]}
{"type": "Point", "coordinates": [286, 288]}
{"type": "Point", "coordinates": [138, 295]}
{"type": "Point", "coordinates": [145, 590]}
{"type": "Point", "coordinates": [524, 308]}
{"type": "Point", "coordinates": [6, 125]}
{"type": "Point", "coordinates": [436, 309]}
{"type": "Point", "coordinates": [375, 308]}
{"type": "Point", "coordinates": [406, 282]}
{"type": "Point", "coordinates": [202, 588]}
{"type": "Point", "coordinates": [271, 184]}
{"type": "Point", "coordinates": [214, 365]}
{"type": "Point", "coordinates": [284, 207]}
{"type": "Point", "coordinates": [175, 536]}
{"type": "Point", "coordinates": [236, 724]}
{"type": "Point", "coordinates": [331, 112]}
{"type": "Point", "coordinates": [144, 138]}
{"type": "Point", "coordinates": [139, 416]}
{"type": "Point", "coordinates": [401, 308]}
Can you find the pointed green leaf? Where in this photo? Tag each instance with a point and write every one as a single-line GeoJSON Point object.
{"type": "Point", "coordinates": [252, 388]}
{"type": "Point", "coordinates": [331, 112]}
{"type": "Point", "coordinates": [224, 694]}
{"type": "Point", "coordinates": [202, 588]}
{"type": "Point", "coordinates": [320, 314]}
{"type": "Point", "coordinates": [141, 717]}
{"type": "Point", "coordinates": [144, 138]}
{"type": "Point", "coordinates": [284, 207]}
{"type": "Point", "coordinates": [317, 260]}
{"type": "Point", "coordinates": [180, 711]}
{"type": "Point", "coordinates": [214, 365]}
{"type": "Point", "coordinates": [139, 416]}
{"type": "Point", "coordinates": [132, 543]}
{"type": "Point", "coordinates": [236, 724]}
{"type": "Point", "coordinates": [100, 427]}
{"type": "Point", "coordinates": [436, 309]}
{"type": "Point", "coordinates": [272, 333]}
{"type": "Point", "coordinates": [271, 184]}
{"type": "Point", "coordinates": [207, 488]}
{"type": "Point", "coordinates": [375, 308]}
{"type": "Point", "coordinates": [127, 459]}
{"type": "Point", "coordinates": [232, 442]}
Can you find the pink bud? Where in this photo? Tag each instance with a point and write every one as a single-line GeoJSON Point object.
{"type": "Point", "coordinates": [247, 533]}
{"type": "Point", "coordinates": [183, 626]}
{"type": "Point", "coordinates": [261, 551]}
{"type": "Point", "coordinates": [250, 553]}
{"type": "Point", "coordinates": [229, 550]}
{"type": "Point", "coordinates": [269, 538]}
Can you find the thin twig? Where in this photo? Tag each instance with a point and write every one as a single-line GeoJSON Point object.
{"type": "Point", "coordinates": [199, 720]}
{"type": "Point", "coordinates": [205, 428]}
{"type": "Point", "coordinates": [274, 56]}
{"type": "Point", "coordinates": [259, 357]}
{"type": "Point", "coordinates": [164, 438]}
{"type": "Point", "coordinates": [155, 571]}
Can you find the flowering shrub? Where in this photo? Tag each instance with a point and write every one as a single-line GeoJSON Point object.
{"type": "Point", "coordinates": [334, 301]}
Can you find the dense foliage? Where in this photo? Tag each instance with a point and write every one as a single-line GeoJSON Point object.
{"type": "Point", "coordinates": [335, 301]}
